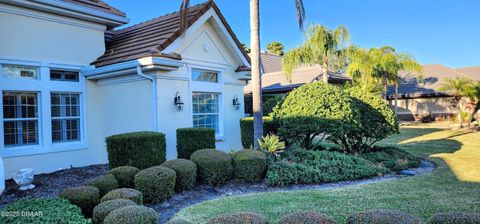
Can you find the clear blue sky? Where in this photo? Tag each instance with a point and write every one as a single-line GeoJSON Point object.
{"type": "Point", "coordinates": [433, 31]}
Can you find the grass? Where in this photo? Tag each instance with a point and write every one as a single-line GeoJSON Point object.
{"type": "Point", "coordinates": [453, 186]}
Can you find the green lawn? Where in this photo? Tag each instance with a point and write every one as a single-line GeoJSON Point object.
{"type": "Point", "coordinates": [453, 186]}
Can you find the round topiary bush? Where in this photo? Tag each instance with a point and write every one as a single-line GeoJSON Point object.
{"type": "Point", "coordinates": [124, 193]}
{"type": "Point", "coordinates": [156, 183]}
{"type": "Point", "coordinates": [249, 165]}
{"type": "Point", "coordinates": [104, 183]}
{"type": "Point", "coordinates": [103, 209]}
{"type": "Point", "coordinates": [214, 166]}
{"type": "Point", "coordinates": [125, 175]}
{"type": "Point", "coordinates": [132, 215]}
{"type": "Point", "coordinates": [178, 221]}
{"type": "Point", "coordinates": [239, 218]}
{"type": "Point", "coordinates": [85, 197]}
{"type": "Point", "coordinates": [306, 218]}
{"type": "Point", "coordinates": [186, 172]}
{"type": "Point", "coordinates": [382, 217]}
{"type": "Point", "coordinates": [455, 218]}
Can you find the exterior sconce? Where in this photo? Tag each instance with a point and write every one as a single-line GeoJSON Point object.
{"type": "Point", "coordinates": [236, 103]}
{"type": "Point", "coordinates": [177, 101]}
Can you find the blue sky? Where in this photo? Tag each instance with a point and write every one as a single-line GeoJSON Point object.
{"type": "Point", "coordinates": [433, 31]}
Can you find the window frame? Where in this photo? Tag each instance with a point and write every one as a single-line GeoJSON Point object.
{"type": "Point", "coordinates": [62, 75]}
{"type": "Point", "coordinates": [65, 118]}
{"type": "Point", "coordinates": [218, 95]}
{"type": "Point", "coordinates": [36, 68]}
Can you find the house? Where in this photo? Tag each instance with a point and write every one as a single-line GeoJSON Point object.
{"type": "Point", "coordinates": [69, 78]}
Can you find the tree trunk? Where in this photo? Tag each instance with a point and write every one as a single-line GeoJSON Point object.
{"type": "Point", "coordinates": [472, 115]}
{"type": "Point", "coordinates": [396, 101]}
{"type": "Point", "coordinates": [325, 72]}
{"type": "Point", "coordinates": [256, 76]}
{"type": "Point", "coordinates": [385, 87]}
{"type": "Point", "coordinates": [459, 115]}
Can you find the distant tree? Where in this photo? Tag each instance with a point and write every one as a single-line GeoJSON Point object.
{"type": "Point", "coordinates": [458, 88]}
{"type": "Point", "coordinates": [246, 48]}
{"type": "Point", "coordinates": [275, 48]}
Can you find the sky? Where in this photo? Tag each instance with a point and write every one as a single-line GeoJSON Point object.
{"type": "Point", "coordinates": [433, 31]}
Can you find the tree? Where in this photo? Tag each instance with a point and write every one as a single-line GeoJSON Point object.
{"type": "Point", "coordinates": [458, 88]}
{"type": "Point", "coordinates": [246, 48]}
{"type": "Point", "coordinates": [321, 47]}
{"type": "Point", "coordinates": [472, 91]}
{"type": "Point", "coordinates": [275, 48]}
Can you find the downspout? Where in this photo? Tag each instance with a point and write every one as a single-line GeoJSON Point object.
{"type": "Point", "coordinates": [154, 96]}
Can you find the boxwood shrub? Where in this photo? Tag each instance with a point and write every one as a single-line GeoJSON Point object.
{"type": "Point", "coordinates": [246, 127]}
{"type": "Point", "coordinates": [306, 217]}
{"type": "Point", "coordinates": [85, 197]}
{"type": "Point", "coordinates": [214, 166]}
{"type": "Point", "coordinates": [124, 193]}
{"type": "Point", "coordinates": [104, 183]}
{"type": "Point", "coordinates": [455, 218]}
{"type": "Point", "coordinates": [132, 214]}
{"type": "Point", "coordinates": [249, 165]}
{"type": "Point", "coordinates": [190, 140]}
{"type": "Point", "coordinates": [124, 175]}
{"type": "Point", "coordinates": [186, 173]}
{"type": "Point", "coordinates": [239, 218]}
{"type": "Point", "coordinates": [137, 149]}
{"type": "Point", "coordinates": [156, 183]}
{"type": "Point", "coordinates": [103, 209]}
{"type": "Point", "coordinates": [382, 217]}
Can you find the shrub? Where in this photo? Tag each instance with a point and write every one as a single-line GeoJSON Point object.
{"type": "Point", "coordinates": [306, 218]}
{"type": "Point", "coordinates": [104, 183]}
{"type": "Point", "coordinates": [186, 172]}
{"type": "Point", "coordinates": [132, 214]}
{"type": "Point", "coordinates": [382, 217]}
{"type": "Point", "coordinates": [270, 102]}
{"type": "Point", "coordinates": [239, 218]}
{"type": "Point", "coordinates": [125, 175]}
{"type": "Point", "coordinates": [178, 221]}
{"type": "Point", "coordinates": [103, 209]}
{"type": "Point", "coordinates": [246, 126]}
{"type": "Point", "coordinates": [42, 211]}
{"type": "Point", "coordinates": [391, 158]}
{"type": "Point", "coordinates": [124, 193]}
{"type": "Point", "coordinates": [249, 165]}
{"type": "Point", "coordinates": [190, 140]}
{"type": "Point", "coordinates": [85, 197]}
{"type": "Point", "coordinates": [214, 167]}
{"type": "Point", "coordinates": [272, 144]}
{"type": "Point", "coordinates": [156, 183]}
{"type": "Point", "coordinates": [455, 218]}
{"type": "Point", "coordinates": [137, 149]}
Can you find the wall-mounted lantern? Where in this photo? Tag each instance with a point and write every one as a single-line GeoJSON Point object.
{"type": "Point", "coordinates": [236, 103]}
{"type": "Point", "coordinates": [177, 101]}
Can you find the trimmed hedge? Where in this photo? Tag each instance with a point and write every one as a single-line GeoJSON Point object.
{"type": "Point", "coordinates": [124, 193]}
{"type": "Point", "coordinates": [246, 126]}
{"type": "Point", "coordinates": [85, 197]}
{"type": "Point", "coordinates": [41, 211]}
{"type": "Point", "coordinates": [249, 165]}
{"type": "Point", "coordinates": [103, 209]}
{"type": "Point", "coordinates": [306, 218]}
{"type": "Point", "coordinates": [455, 218]}
{"type": "Point", "coordinates": [190, 140]}
{"type": "Point", "coordinates": [137, 149]}
{"type": "Point", "coordinates": [132, 214]}
{"type": "Point", "coordinates": [186, 173]}
{"type": "Point", "coordinates": [214, 166]}
{"type": "Point", "coordinates": [156, 183]}
{"type": "Point", "coordinates": [382, 217]}
{"type": "Point", "coordinates": [125, 175]}
{"type": "Point", "coordinates": [104, 183]}
{"type": "Point", "coordinates": [239, 218]}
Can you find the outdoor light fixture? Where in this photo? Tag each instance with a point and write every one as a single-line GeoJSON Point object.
{"type": "Point", "coordinates": [177, 101]}
{"type": "Point", "coordinates": [236, 103]}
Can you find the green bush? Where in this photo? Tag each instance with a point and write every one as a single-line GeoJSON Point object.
{"type": "Point", "coordinates": [239, 218]}
{"type": "Point", "coordinates": [124, 175]}
{"type": "Point", "coordinates": [85, 197]}
{"type": "Point", "coordinates": [124, 193]}
{"type": "Point", "coordinates": [190, 140]}
{"type": "Point", "coordinates": [104, 183]}
{"type": "Point", "coordinates": [42, 211]}
{"type": "Point", "coordinates": [103, 209]}
{"type": "Point", "coordinates": [249, 165]}
{"type": "Point", "coordinates": [156, 183]}
{"type": "Point", "coordinates": [132, 214]}
{"type": "Point", "coordinates": [178, 221]}
{"type": "Point", "coordinates": [306, 218]}
{"type": "Point", "coordinates": [246, 126]}
{"type": "Point", "coordinates": [455, 218]}
{"type": "Point", "coordinates": [186, 172]}
{"type": "Point", "coordinates": [391, 158]}
{"type": "Point", "coordinates": [137, 149]}
{"type": "Point", "coordinates": [214, 167]}
{"type": "Point", "coordinates": [382, 217]}
{"type": "Point", "coordinates": [270, 101]}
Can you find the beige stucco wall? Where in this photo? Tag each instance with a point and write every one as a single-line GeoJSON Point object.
{"type": "Point", "coordinates": [417, 106]}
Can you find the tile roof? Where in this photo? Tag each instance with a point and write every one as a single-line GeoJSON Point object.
{"type": "Point", "coordinates": [271, 62]}
{"type": "Point", "coordinates": [98, 5]}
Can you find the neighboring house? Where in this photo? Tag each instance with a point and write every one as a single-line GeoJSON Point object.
{"type": "Point", "coordinates": [68, 80]}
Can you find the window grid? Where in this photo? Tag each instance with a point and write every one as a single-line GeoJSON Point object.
{"type": "Point", "coordinates": [206, 110]}
{"type": "Point", "coordinates": [61, 75]}
{"type": "Point", "coordinates": [20, 113]}
{"type": "Point", "coordinates": [65, 117]}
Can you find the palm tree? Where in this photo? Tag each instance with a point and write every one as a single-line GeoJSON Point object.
{"type": "Point", "coordinates": [321, 47]}
{"type": "Point", "coordinates": [458, 87]}
{"type": "Point", "coordinates": [472, 91]}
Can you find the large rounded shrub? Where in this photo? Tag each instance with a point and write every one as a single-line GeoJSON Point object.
{"type": "Point", "coordinates": [124, 175]}
{"type": "Point", "coordinates": [455, 218]}
{"type": "Point", "coordinates": [239, 218]}
{"type": "Point", "coordinates": [124, 193]}
{"type": "Point", "coordinates": [85, 197]}
{"type": "Point", "coordinates": [306, 218]}
{"type": "Point", "coordinates": [214, 166]}
{"type": "Point", "coordinates": [156, 183]}
{"type": "Point", "coordinates": [382, 217]}
{"type": "Point", "coordinates": [186, 171]}
{"type": "Point", "coordinates": [249, 165]}
{"type": "Point", "coordinates": [103, 209]}
{"type": "Point", "coordinates": [104, 183]}
{"type": "Point", "coordinates": [132, 214]}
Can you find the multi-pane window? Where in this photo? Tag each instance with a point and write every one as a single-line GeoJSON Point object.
{"type": "Point", "coordinates": [18, 71]}
{"type": "Point", "coordinates": [65, 117]}
{"type": "Point", "coordinates": [61, 75]}
{"type": "Point", "coordinates": [204, 75]}
{"type": "Point", "coordinates": [206, 110]}
{"type": "Point", "coordinates": [20, 118]}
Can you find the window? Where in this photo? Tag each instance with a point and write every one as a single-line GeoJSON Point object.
{"type": "Point", "coordinates": [204, 76]}
{"type": "Point", "coordinates": [20, 118]}
{"type": "Point", "coordinates": [59, 75]}
{"type": "Point", "coordinates": [65, 117]}
{"type": "Point", "coordinates": [17, 71]}
{"type": "Point", "coordinates": [206, 110]}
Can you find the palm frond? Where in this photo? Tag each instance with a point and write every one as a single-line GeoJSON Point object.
{"type": "Point", "coordinates": [300, 13]}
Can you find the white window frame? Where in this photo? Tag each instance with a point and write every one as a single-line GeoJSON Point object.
{"type": "Point", "coordinates": [207, 114]}
{"type": "Point", "coordinates": [65, 117]}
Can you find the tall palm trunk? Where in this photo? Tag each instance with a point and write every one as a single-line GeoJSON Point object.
{"type": "Point", "coordinates": [325, 72]}
{"type": "Point", "coordinates": [256, 77]}
{"type": "Point", "coordinates": [459, 115]}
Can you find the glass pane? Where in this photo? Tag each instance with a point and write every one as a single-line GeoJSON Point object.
{"type": "Point", "coordinates": [204, 76]}
{"type": "Point", "coordinates": [57, 130]}
{"type": "Point", "coordinates": [55, 75]}
{"type": "Point", "coordinates": [10, 133]}
{"type": "Point", "coordinates": [29, 132]}
{"type": "Point", "coordinates": [17, 71]}
{"type": "Point", "coordinates": [9, 105]}
{"type": "Point", "coordinates": [71, 76]}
